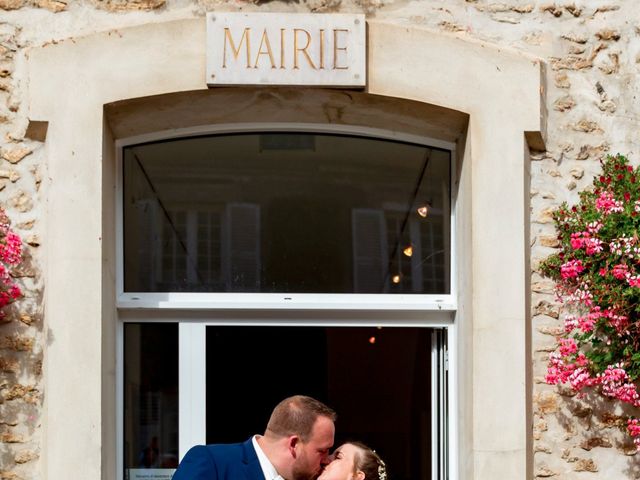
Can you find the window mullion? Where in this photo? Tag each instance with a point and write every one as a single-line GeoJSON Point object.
{"type": "Point", "coordinates": [192, 386]}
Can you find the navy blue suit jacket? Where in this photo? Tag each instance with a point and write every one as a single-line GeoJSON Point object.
{"type": "Point", "coordinates": [237, 461]}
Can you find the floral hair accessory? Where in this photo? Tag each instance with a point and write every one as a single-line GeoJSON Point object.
{"type": "Point", "coordinates": [382, 468]}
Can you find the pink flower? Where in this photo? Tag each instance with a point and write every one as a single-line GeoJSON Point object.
{"type": "Point", "coordinates": [633, 280]}
{"type": "Point", "coordinates": [571, 269]}
{"type": "Point", "coordinates": [557, 370]}
{"type": "Point", "coordinates": [620, 271]}
{"type": "Point", "coordinates": [568, 347]}
{"type": "Point", "coordinates": [607, 204]}
{"type": "Point", "coordinates": [581, 378]}
{"type": "Point", "coordinates": [570, 323]}
{"type": "Point", "coordinates": [578, 239]}
{"type": "Point", "coordinates": [593, 245]}
{"type": "Point", "coordinates": [594, 227]}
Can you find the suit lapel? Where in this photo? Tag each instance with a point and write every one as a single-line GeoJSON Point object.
{"type": "Point", "coordinates": [252, 468]}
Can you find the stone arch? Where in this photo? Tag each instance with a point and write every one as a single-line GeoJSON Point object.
{"type": "Point", "coordinates": [492, 98]}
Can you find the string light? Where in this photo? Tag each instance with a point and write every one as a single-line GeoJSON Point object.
{"type": "Point", "coordinates": [372, 340]}
{"type": "Point", "coordinates": [395, 278]}
{"type": "Point", "coordinates": [408, 251]}
{"type": "Point", "coordinates": [423, 211]}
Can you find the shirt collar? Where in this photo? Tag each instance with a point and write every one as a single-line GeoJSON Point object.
{"type": "Point", "coordinates": [269, 471]}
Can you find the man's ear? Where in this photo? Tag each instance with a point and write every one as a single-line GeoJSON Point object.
{"type": "Point", "coordinates": [292, 443]}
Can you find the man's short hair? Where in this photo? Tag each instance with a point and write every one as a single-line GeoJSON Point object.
{"type": "Point", "coordinates": [296, 416]}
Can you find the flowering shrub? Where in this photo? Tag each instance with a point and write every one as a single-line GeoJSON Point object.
{"type": "Point", "coordinates": [10, 254]}
{"type": "Point", "coordinates": [597, 273]}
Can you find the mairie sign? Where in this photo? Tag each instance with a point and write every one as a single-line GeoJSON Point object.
{"type": "Point", "coordinates": [286, 49]}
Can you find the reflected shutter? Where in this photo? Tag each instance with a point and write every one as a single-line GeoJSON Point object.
{"type": "Point", "coordinates": [370, 257]}
{"type": "Point", "coordinates": [241, 247]}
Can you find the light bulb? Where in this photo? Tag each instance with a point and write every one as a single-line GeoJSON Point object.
{"type": "Point", "coordinates": [408, 251]}
{"type": "Point", "coordinates": [395, 279]}
{"type": "Point", "coordinates": [423, 211]}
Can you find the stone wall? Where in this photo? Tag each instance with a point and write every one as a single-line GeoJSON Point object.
{"type": "Point", "coordinates": [592, 49]}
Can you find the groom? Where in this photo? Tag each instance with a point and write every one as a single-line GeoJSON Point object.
{"type": "Point", "coordinates": [295, 446]}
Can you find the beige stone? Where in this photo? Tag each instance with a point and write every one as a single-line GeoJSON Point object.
{"type": "Point", "coordinates": [9, 437]}
{"type": "Point", "coordinates": [16, 154]}
{"type": "Point", "coordinates": [577, 172]}
{"type": "Point", "coordinates": [553, 9]}
{"type": "Point", "coordinates": [573, 10]}
{"type": "Point", "coordinates": [593, 442]}
{"type": "Point", "coordinates": [577, 49]}
{"type": "Point", "coordinates": [571, 185]}
{"type": "Point", "coordinates": [613, 66]}
{"type": "Point", "coordinates": [561, 80]}
{"type": "Point", "coordinates": [545, 348]}
{"type": "Point", "coordinates": [564, 103]}
{"type": "Point", "coordinates": [545, 286]}
{"type": "Point", "coordinates": [608, 34]}
{"type": "Point", "coordinates": [572, 62]}
{"type": "Point", "coordinates": [25, 456]}
{"type": "Point", "coordinates": [21, 202]}
{"type": "Point", "coordinates": [585, 465]}
{"type": "Point", "coordinates": [545, 472]}
{"type": "Point", "coordinates": [587, 151]}
{"type": "Point", "coordinates": [606, 8]}
{"type": "Point", "coordinates": [19, 391]}
{"type": "Point", "coordinates": [546, 402]}
{"type": "Point", "coordinates": [26, 319]}
{"type": "Point", "coordinates": [544, 307]}
{"type": "Point", "coordinates": [611, 420]}
{"type": "Point", "coordinates": [33, 240]}
{"type": "Point", "coordinates": [54, 6]}
{"type": "Point", "coordinates": [549, 241]}
{"type": "Point", "coordinates": [540, 447]}
{"type": "Point", "coordinates": [11, 4]}
{"type": "Point", "coordinates": [16, 342]}
{"type": "Point", "coordinates": [540, 425]}
{"type": "Point", "coordinates": [28, 225]}
{"type": "Point", "coordinates": [125, 5]}
{"type": "Point", "coordinates": [452, 27]}
{"type": "Point", "coordinates": [552, 330]}
{"type": "Point", "coordinates": [580, 410]}
{"type": "Point", "coordinates": [608, 106]}
{"type": "Point", "coordinates": [576, 38]}
{"type": "Point", "coordinates": [586, 126]}
{"type": "Point", "coordinates": [546, 216]}
{"type": "Point", "coordinates": [9, 365]}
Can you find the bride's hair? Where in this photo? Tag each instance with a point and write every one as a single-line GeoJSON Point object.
{"type": "Point", "coordinates": [369, 462]}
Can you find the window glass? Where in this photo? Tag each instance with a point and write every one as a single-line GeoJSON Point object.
{"type": "Point", "coordinates": [150, 400]}
{"type": "Point", "coordinates": [286, 213]}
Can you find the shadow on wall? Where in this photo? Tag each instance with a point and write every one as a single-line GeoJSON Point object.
{"type": "Point", "coordinates": [591, 422]}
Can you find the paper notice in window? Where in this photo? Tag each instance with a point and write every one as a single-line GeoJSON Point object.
{"type": "Point", "coordinates": [150, 473]}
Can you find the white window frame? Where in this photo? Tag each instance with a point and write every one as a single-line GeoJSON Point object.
{"type": "Point", "coordinates": [196, 311]}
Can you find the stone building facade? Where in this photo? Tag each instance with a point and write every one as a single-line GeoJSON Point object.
{"type": "Point", "coordinates": [590, 51]}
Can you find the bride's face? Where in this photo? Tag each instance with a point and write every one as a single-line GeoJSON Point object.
{"type": "Point", "coordinates": [342, 465]}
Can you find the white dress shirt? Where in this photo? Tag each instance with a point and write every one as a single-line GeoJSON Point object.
{"type": "Point", "coordinates": [267, 467]}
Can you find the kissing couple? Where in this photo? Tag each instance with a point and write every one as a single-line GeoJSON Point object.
{"type": "Point", "coordinates": [296, 445]}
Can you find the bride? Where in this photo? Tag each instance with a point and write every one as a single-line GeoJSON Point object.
{"type": "Point", "coordinates": [355, 461]}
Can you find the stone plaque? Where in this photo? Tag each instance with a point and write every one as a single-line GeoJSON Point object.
{"type": "Point", "coordinates": [326, 50]}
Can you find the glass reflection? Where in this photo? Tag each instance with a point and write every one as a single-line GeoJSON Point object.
{"type": "Point", "coordinates": [286, 212]}
{"type": "Point", "coordinates": [150, 400]}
